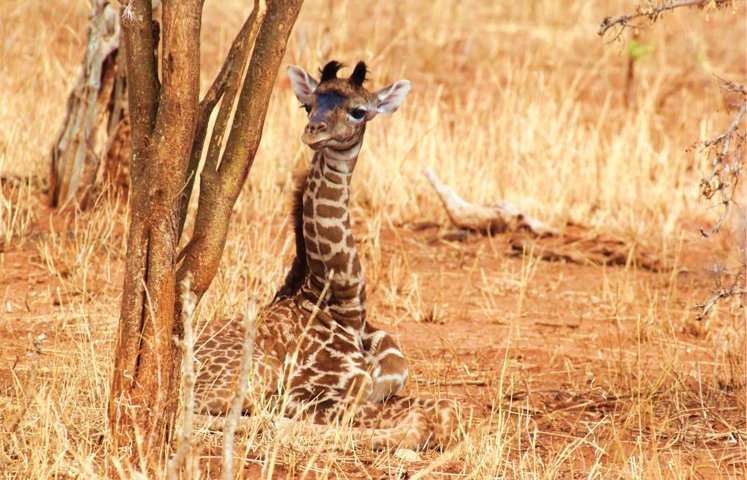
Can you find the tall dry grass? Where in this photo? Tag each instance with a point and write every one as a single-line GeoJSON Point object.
{"type": "Point", "coordinates": [511, 100]}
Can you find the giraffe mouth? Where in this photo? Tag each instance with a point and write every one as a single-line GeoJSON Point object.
{"type": "Point", "coordinates": [316, 142]}
{"type": "Point", "coordinates": [344, 144]}
{"type": "Point", "coordinates": [322, 141]}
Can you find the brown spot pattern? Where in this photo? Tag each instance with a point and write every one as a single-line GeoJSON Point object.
{"type": "Point", "coordinates": [328, 211]}
{"type": "Point", "coordinates": [334, 234]}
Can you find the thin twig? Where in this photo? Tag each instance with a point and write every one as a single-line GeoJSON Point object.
{"type": "Point", "coordinates": [717, 296]}
{"type": "Point", "coordinates": [242, 383]}
{"type": "Point", "coordinates": [452, 383]}
{"type": "Point", "coordinates": [652, 12]}
{"type": "Point", "coordinates": [183, 455]}
{"type": "Point", "coordinates": [730, 131]}
{"type": "Point", "coordinates": [722, 162]}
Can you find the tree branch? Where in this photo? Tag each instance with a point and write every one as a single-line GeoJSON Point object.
{"type": "Point", "coordinates": [727, 161]}
{"type": "Point", "coordinates": [230, 69]}
{"type": "Point", "coordinates": [233, 84]}
{"type": "Point", "coordinates": [725, 138]}
{"type": "Point", "coordinates": [168, 156]}
{"type": "Point", "coordinates": [177, 111]}
{"type": "Point", "coordinates": [142, 98]}
{"type": "Point", "coordinates": [717, 296]}
{"type": "Point", "coordinates": [652, 12]}
{"type": "Point", "coordinates": [137, 19]}
{"type": "Point", "coordinates": [162, 127]}
{"type": "Point", "coordinates": [220, 188]}
{"type": "Point", "coordinates": [225, 85]}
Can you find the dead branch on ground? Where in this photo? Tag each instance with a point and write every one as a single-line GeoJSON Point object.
{"type": "Point", "coordinates": [501, 218]}
{"type": "Point", "coordinates": [574, 244]}
{"type": "Point", "coordinates": [717, 296]}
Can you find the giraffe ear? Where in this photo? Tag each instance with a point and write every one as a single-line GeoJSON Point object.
{"type": "Point", "coordinates": [391, 97]}
{"type": "Point", "coordinates": [303, 83]}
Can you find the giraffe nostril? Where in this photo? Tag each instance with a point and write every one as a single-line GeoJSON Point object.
{"type": "Point", "coordinates": [316, 127]}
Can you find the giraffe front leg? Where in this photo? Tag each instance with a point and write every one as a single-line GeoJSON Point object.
{"type": "Point", "coordinates": [386, 363]}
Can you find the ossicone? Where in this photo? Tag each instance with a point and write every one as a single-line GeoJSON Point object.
{"type": "Point", "coordinates": [329, 71]}
{"type": "Point", "coordinates": [359, 74]}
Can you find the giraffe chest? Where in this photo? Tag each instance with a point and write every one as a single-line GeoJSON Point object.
{"type": "Point", "coordinates": [330, 357]}
{"type": "Point", "coordinates": [298, 325]}
{"type": "Point", "coordinates": [310, 345]}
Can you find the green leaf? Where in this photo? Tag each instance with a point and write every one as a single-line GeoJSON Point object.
{"type": "Point", "coordinates": [638, 50]}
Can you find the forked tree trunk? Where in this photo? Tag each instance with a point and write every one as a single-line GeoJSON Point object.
{"type": "Point", "coordinates": [143, 388]}
{"type": "Point", "coordinates": [83, 157]}
{"type": "Point", "coordinates": [169, 127]}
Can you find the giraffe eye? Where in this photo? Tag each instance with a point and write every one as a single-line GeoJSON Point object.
{"type": "Point", "coordinates": [306, 107]}
{"type": "Point", "coordinates": [357, 113]}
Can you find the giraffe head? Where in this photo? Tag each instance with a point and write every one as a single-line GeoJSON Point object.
{"type": "Point", "coordinates": [339, 108]}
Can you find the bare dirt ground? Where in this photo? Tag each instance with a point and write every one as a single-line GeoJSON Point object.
{"type": "Point", "coordinates": [577, 367]}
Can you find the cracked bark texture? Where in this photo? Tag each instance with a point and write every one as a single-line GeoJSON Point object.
{"type": "Point", "coordinates": [81, 157]}
{"type": "Point", "coordinates": [169, 126]}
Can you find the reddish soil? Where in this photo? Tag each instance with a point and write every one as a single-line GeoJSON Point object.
{"type": "Point", "coordinates": [586, 345]}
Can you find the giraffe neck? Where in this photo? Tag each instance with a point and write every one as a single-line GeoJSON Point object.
{"type": "Point", "coordinates": [331, 255]}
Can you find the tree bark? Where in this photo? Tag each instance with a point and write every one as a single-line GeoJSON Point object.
{"type": "Point", "coordinates": [169, 126]}
{"type": "Point", "coordinates": [144, 387]}
{"type": "Point", "coordinates": [98, 93]}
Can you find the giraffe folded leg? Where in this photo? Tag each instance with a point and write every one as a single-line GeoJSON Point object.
{"type": "Point", "coordinates": [386, 363]}
{"type": "Point", "coordinates": [413, 423]}
{"type": "Point", "coordinates": [400, 422]}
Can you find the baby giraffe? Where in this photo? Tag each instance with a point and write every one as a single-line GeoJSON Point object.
{"type": "Point", "coordinates": [314, 346]}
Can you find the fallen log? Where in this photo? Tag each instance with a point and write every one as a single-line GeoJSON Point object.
{"type": "Point", "coordinates": [573, 243]}
{"type": "Point", "coordinates": [500, 218]}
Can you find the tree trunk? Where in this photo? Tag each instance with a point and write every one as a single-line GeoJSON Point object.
{"type": "Point", "coordinates": [144, 389]}
{"type": "Point", "coordinates": [169, 126]}
{"type": "Point", "coordinates": [82, 157]}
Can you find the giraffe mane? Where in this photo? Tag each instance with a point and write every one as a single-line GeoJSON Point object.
{"type": "Point", "coordinates": [297, 274]}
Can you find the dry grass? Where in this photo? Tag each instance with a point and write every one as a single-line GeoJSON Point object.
{"type": "Point", "coordinates": [569, 370]}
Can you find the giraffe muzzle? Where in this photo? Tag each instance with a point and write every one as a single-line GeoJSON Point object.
{"type": "Point", "coordinates": [316, 135]}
